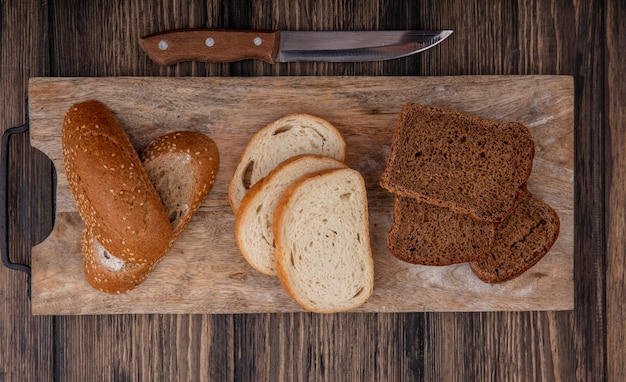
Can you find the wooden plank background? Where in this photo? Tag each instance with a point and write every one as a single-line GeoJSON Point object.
{"type": "Point", "coordinates": [98, 38]}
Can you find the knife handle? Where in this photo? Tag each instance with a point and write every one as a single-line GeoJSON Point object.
{"type": "Point", "coordinates": [210, 45]}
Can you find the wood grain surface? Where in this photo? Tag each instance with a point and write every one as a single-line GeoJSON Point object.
{"type": "Point", "coordinates": [583, 39]}
{"type": "Point", "coordinates": [615, 194]}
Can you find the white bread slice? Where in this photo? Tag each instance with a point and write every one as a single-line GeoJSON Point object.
{"type": "Point", "coordinates": [182, 168]}
{"type": "Point", "coordinates": [253, 227]}
{"type": "Point", "coordinates": [323, 255]}
{"type": "Point", "coordinates": [292, 135]}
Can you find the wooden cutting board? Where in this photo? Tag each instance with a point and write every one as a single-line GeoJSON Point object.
{"type": "Point", "coordinates": [204, 271]}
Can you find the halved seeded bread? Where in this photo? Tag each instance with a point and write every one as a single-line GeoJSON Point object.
{"type": "Point", "coordinates": [182, 166]}
{"type": "Point", "coordinates": [520, 241]}
{"type": "Point", "coordinates": [253, 227]}
{"type": "Point", "coordinates": [323, 256]}
{"type": "Point", "coordinates": [107, 273]}
{"type": "Point", "coordinates": [113, 193]}
{"type": "Point", "coordinates": [426, 234]}
{"type": "Point", "coordinates": [287, 137]}
{"type": "Point", "coordinates": [469, 164]}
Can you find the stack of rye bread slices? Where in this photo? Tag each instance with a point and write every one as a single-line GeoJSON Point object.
{"type": "Point", "coordinates": [302, 214]}
{"type": "Point", "coordinates": [460, 186]}
{"type": "Point", "coordinates": [134, 205]}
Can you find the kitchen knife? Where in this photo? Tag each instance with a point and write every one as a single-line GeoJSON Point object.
{"type": "Point", "coordinates": [214, 45]}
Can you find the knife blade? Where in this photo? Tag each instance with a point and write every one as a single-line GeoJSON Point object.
{"type": "Point", "coordinates": [215, 45]}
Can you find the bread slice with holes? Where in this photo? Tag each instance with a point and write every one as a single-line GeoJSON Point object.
{"type": "Point", "coordinates": [427, 234]}
{"type": "Point", "coordinates": [292, 135]}
{"type": "Point", "coordinates": [323, 255]}
{"type": "Point", "coordinates": [467, 163]}
{"type": "Point", "coordinates": [253, 228]}
{"type": "Point", "coordinates": [182, 166]}
{"type": "Point", "coordinates": [520, 241]}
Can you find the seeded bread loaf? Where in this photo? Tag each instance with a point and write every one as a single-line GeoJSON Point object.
{"type": "Point", "coordinates": [426, 234]}
{"type": "Point", "coordinates": [282, 139]}
{"type": "Point", "coordinates": [182, 166]}
{"type": "Point", "coordinates": [469, 164]}
{"type": "Point", "coordinates": [323, 256]}
{"type": "Point", "coordinates": [108, 273]}
{"type": "Point", "coordinates": [520, 241]}
{"type": "Point", "coordinates": [114, 195]}
{"type": "Point", "coordinates": [253, 227]}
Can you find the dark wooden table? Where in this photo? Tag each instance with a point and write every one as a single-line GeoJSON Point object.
{"type": "Point", "coordinates": [585, 39]}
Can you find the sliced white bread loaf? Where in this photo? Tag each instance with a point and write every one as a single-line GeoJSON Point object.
{"type": "Point", "coordinates": [323, 255]}
{"type": "Point", "coordinates": [182, 167]}
{"type": "Point", "coordinates": [292, 135]}
{"type": "Point", "coordinates": [253, 227]}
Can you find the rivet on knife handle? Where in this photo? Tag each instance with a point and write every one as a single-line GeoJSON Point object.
{"type": "Point", "coordinates": [210, 45]}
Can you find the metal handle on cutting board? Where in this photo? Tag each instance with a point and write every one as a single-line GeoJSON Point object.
{"type": "Point", "coordinates": [4, 203]}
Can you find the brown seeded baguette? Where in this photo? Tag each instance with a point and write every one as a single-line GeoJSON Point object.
{"type": "Point", "coordinates": [426, 234]}
{"type": "Point", "coordinates": [469, 164]}
{"type": "Point", "coordinates": [520, 241]}
{"type": "Point", "coordinates": [107, 273]}
{"type": "Point", "coordinates": [114, 195]}
{"type": "Point", "coordinates": [182, 166]}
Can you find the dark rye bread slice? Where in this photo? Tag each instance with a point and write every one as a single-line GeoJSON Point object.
{"type": "Point", "coordinates": [431, 235]}
{"type": "Point", "coordinates": [469, 164]}
{"type": "Point", "coordinates": [520, 241]}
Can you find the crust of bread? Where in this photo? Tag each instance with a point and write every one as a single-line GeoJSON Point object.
{"type": "Point", "coordinates": [260, 253]}
{"type": "Point", "coordinates": [282, 257]}
{"type": "Point", "coordinates": [182, 189]}
{"type": "Point", "coordinates": [115, 198]}
{"type": "Point", "coordinates": [119, 278]}
{"type": "Point", "coordinates": [451, 159]}
{"type": "Point", "coordinates": [248, 173]}
{"type": "Point", "coordinates": [520, 241]}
